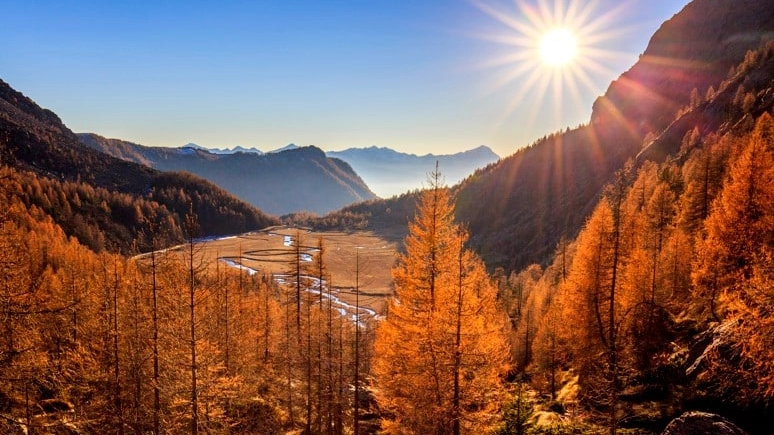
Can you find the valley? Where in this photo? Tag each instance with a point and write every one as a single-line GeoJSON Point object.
{"type": "Point", "coordinates": [613, 277]}
{"type": "Point", "coordinates": [271, 252]}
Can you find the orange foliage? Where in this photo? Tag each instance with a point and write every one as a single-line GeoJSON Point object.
{"type": "Point", "coordinates": [442, 348]}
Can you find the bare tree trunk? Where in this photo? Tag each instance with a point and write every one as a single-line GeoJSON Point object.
{"type": "Point", "coordinates": [191, 230]}
{"type": "Point", "coordinates": [116, 361]}
{"type": "Point", "coordinates": [356, 413]}
{"type": "Point", "coordinates": [288, 363]}
{"type": "Point", "coordinates": [457, 351]}
{"type": "Point", "coordinates": [155, 327]}
{"type": "Point", "coordinates": [612, 341]}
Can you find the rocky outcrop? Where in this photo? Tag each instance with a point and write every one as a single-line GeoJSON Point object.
{"type": "Point", "coordinates": [701, 423]}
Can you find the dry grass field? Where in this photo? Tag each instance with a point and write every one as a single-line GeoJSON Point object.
{"type": "Point", "coordinates": [271, 251]}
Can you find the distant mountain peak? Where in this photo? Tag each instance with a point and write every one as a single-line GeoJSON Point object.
{"type": "Point", "coordinates": [234, 150]}
{"type": "Point", "coordinates": [389, 172]}
{"type": "Point", "coordinates": [290, 146]}
{"type": "Point", "coordinates": [241, 149]}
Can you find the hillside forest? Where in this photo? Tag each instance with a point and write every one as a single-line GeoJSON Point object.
{"type": "Point", "coordinates": [658, 302]}
{"type": "Point", "coordinates": [599, 340]}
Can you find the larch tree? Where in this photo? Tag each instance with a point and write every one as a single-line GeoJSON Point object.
{"type": "Point", "coordinates": [740, 226]}
{"type": "Point", "coordinates": [642, 285]}
{"type": "Point", "coordinates": [296, 358]}
{"type": "Point", "coordinates": [549, 350]}
{"type": "Point", "coordinates": [192, 231]}
{"type": "Point", "coordinates": [738, 253]}
{"type": "Point", "coordinates": [702, 174]}
{"type": "Point", "coordinates": [595, 303]}
{"type": "Point", "coordinates": [441, 350]}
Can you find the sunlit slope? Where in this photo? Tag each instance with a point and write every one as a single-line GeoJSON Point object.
{"type": "Point", "coordinates": [518, 209]}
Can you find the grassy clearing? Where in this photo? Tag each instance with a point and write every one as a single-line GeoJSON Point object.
{"type": "Point", "coordinates": [268, 252]}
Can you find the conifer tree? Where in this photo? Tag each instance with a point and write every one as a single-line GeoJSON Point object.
{"type": "Point", "coordinates": [441, 349]}
{"type": "Point", "coordinates": [192, 230]}
{"type": "Point", "coordinates": [740, 226]}
{"type": "Point", "coordinates": [596, 305]}
{"type": "Point", "coordinates": [738, 254]}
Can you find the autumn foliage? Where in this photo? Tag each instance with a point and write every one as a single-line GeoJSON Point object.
{"type": "Point", "coordinates": [672, 252]}
{"type": "Point", "coordinates": [441, 351]}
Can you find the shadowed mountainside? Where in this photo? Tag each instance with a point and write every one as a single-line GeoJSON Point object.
{"type": "Point", "coordinates": [297, 179]}
{"type": "Point", "coordinates": [518, 208]}
{"type": "Point", "coordinates": [77, 186]}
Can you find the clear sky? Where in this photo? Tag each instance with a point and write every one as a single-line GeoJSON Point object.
{"type": "Point", "coordinates": [419, 76]}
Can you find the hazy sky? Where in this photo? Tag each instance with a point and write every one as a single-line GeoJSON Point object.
{"type": "Point", "coordinates": [420, 76]}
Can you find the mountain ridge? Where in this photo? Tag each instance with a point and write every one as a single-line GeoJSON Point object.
{"type": "Point", "coordinates": [518, 209]}
{"type": "Point", "coordinates": [294, 179]}
{"type": "Point", "coordinates": [107, 203]}
{"type": "Point", "coordinates": [391, 172]}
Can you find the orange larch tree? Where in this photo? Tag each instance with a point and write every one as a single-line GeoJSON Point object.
{"type": "Point", "coordinates": [441, 350]}
{"type": "Point", "coordinates": [740, 227]}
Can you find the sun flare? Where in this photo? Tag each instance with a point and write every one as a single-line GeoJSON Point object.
{"type": "Point", "coordinates": [558, 47]}
{"type": "Point", "coordinates": [550, 56]}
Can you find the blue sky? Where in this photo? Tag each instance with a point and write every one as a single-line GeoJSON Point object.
{"type": "Point", "coordinates": [421, 76]}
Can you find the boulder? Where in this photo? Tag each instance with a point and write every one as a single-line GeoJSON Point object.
{"type": "Point", "coordinates": [701, 423]}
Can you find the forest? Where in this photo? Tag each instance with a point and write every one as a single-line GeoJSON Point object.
{"type": "Point", "coordinates": [601, 340]}
{"type": "Point", "coordinates": [658, 303]}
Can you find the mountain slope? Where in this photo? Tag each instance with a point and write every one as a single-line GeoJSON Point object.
{"type": "Point", "coordinates": [518, 209]}
{"type": "Point", "coordinates": [694, 49]}
{"type": "Point", "coordinates": [296, 179]}
{"type": "Point", "coordinates": [389, 172]}
{"type": "Point", "coordinates": [738, 100]}
{"type": "Point", "coordinates": [546, 191]}
{"type": "Point", "coordinates": [81, 184]}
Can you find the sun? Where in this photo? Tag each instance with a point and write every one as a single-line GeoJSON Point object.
{"type": "Point", "coordinates": [558, 47]}
{"type": "Point", "coordinates": [549, 58]}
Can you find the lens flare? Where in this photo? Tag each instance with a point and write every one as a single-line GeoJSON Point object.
{"type": "Point", "coordinates": [549, 58]}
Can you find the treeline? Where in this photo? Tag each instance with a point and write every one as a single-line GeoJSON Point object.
{"type": "Point", "coordinates": [105, 202]}
{"type": "Point", "coordinates": [121, 222]}
{"type": "Point", "coordinates": [665, 296]}
{"type": "Point", "coordinates": [162, 343]}
{"type": "Point", "coordinates": [385, 216]}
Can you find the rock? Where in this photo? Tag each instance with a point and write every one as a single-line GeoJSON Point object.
{"type": "Point", "coordinates": [717, 340]}
{"type": "Point", "coordinates": [701, 423]}
{"type": "Point", "coordinates": [56, 405]}
{"type": "Point", "coordinates": [546, 419]}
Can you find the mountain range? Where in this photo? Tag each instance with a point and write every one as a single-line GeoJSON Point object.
{"type": "Point", "coordinates": [234, 150]}
{"type": "Point", "coordinates": [292, 179]}
{"type": "Point", "coordinates": [105, 202]}
{"type": "Point", "coordinates": [389, 172]}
